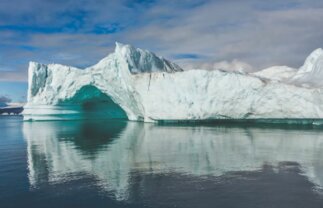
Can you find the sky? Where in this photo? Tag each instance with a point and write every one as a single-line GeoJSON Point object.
{"type": "Point", "coordinates": [193, 33]}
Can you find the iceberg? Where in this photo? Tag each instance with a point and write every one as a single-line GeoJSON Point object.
{"type": "Point", "coordinates": [138, 85]}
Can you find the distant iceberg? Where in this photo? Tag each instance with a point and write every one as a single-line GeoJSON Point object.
{"type": "Point", "coordinates": [11, 108]}
{"type": "Point", "coordinates": [138, 85]}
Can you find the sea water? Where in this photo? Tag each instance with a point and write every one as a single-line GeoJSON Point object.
{"type": "Point", "coordinates": [114, 163]}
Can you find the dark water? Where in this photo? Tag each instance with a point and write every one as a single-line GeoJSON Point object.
{"type": "Point", "coordinates": [129, 164]}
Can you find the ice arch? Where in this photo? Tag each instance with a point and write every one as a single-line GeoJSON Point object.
{"type": "Point", "coordinates": [80, 102]}
{"type": "Point", "coordinates": [93, 103]}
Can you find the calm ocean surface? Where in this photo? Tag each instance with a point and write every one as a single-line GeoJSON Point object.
{"type": "Point", "coordinates": [128, 164]}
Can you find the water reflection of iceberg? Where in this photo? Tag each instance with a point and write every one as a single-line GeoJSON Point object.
{"type": "Point", "coordinates": [113, 150]}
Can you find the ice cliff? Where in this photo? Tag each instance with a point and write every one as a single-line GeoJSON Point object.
{"type": "Point", "coordinates": [138, 85]}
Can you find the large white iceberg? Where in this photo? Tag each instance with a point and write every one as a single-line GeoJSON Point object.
{"type": "Point", "coordinates": [138, 85]}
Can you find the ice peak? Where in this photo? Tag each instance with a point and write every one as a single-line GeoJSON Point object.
{"type": "Point", "coordinates": [311, 73]}
{"type": "Point", "coordinates": [311, 60]}
{"type": "Point", "coordinates": [123, 48]}
{"type": "Point", "coordinates": [140, 60]}
{"type": "Point", "coordinates": [118, 44]}
{"type": "Point", "coordinates": [317, 52]}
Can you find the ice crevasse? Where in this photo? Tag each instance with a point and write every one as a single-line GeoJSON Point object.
{"type": "Point", "coordinates": [136, 84]}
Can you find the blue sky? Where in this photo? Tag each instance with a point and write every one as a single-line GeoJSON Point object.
{"type": "Point", "coordinates": [193, 33]}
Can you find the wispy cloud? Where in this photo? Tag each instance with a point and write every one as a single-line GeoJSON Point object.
{"type": "Point", "coordinates": [192, 33]}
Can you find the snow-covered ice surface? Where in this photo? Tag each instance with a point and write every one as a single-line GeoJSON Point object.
{"type": "Point", "coordinates": [278, 73]}
{"type": "Point", "coordinates": [138, 85]}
